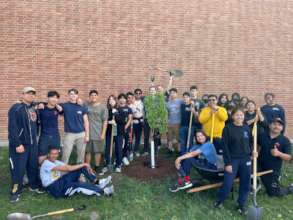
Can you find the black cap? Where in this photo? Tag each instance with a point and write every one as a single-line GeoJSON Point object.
{"type": "Point", "coordinates": [279, 120]}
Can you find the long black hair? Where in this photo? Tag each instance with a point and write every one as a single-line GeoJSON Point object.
{"type": "Point", "coordinates": [108, 101]}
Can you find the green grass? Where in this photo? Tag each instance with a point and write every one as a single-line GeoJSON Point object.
{"type": "Point", "coordinates": [137, 200]}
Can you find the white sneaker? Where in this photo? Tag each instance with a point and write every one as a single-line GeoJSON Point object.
{"type": "Point", "coordinates": [104, 182]}
{"type": "Point", "coordinates": [104, 170]}
{"type": "Point", "coordinates": [131, 157]}
{"type": "Point", "coordinates": [137, 154]}
{"type": "Point", "coordinates": [25, 180]}
{"type": "Point", "coordinates": [109, 191]}
{"type": "Point", "coordinates": [82, 178]}
{"type": "Point", "coordinates": [145, 154]}
{"type": "Point", "coordinates": [125, 161]}
{"type": "Point", "coordinates": [118, 169]}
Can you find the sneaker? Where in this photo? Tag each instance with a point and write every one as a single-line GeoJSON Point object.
{"type": "Point", "coordinates": [82, 178]}
{"type": "Point", "coordinates": [186, 185]}
{"type": "Point", "coordinates": [174, 188]}
{"type": "Point", "coordinates": [118, 169]}
{"type": "Point", "coordinates": [14, 198]}
{"type": "Point", "coordinates": [104, 182]}
{"type": "Point", "coordinates": [125, 161]}
{"type": "Point", "coordinates": [109, 191]}
{"type": "Point", "coordinates": [137, 154]}
{"type": "Point", "coordinates": [171, 149]}
{"type": "Point", "coordinates": [37, 190]}
{"type": "Point", "coordinates": [242, 210]}
{"type": "Point", "coordinates": [104, 170]}
{"type": "Point", "coordinates": [218, 205]}
{"type": "Point", "coordinates": [145, 154]}
{"type": "Point", "coordinates": [25, 180]}
{"type": "Point", "coordinates": [131, 157]}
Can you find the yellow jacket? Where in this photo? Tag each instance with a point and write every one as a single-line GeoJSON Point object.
{"type": "Point", "coordinates": [205, 118]}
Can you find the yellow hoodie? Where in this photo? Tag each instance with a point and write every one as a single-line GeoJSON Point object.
{"type": "Point", "coordinates": [205, 118]}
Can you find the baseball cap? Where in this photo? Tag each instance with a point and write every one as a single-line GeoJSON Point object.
{"type": "Point", "coordinates": [29, 89]}
{"type": "Point", "coordinates": [279, 120]}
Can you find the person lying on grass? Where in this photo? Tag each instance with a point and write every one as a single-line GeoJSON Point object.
{"type": "Point", "coordinates": [62, 180]}
{"type": "Point", "coordinates": [202, 155]}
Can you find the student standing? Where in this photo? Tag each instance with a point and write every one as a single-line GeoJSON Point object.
{"type": "Point", "coordinates": [138, 120]}
{"type": "Point", "coordinates": [173, 107]}
{"type": "Point", "coordinates": [76, 127]}
{"type": "Point", "coordinates": [98, 121]}
{"type": "Point", "coordinates": [111, 131]}
{"type": "Point", "coordinates": [49, 114]}
{"type": "Point", "coordinates": [237, 143]}
{"type": "Point", "coordinates": [23, 148]}
{"type": "Point", "coordinates": [272, 110]}
{"type": "Point", "coordinates": [213, 119]}
{"type": "Point", "coordinates": [186, 110]}
{"type": "Point", "coordinates": [123, 119]}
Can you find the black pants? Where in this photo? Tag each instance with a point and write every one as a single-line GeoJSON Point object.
{"type": "Point", "coordinates": [137, 131]}
{"type": "Point", "coordinates": [108, 145]}
{"type": "Point", "coordinates": [271, 182]}
{"type": "Point", "coordinates": [21, 163]}
{"type": "Point", "coordinates": [156, 136]}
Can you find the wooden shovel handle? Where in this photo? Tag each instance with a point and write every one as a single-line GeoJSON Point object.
{"type": "Point", "coordinates": [217, 185]}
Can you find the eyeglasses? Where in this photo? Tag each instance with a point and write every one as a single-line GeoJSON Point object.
{"type": "Point", "coordinates": [212, 100]}
{"type": "Point", "coordinates": [138, 93]}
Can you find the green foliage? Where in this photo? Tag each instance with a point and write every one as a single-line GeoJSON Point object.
{"type": "Point", "coordinates": [156, 112]}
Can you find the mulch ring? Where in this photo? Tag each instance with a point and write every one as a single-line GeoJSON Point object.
{"type": "Point", "coordinates": [140, 169]}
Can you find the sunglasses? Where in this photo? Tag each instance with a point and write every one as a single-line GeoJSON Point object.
{"type": "Point", "coordinates": [212, 100]}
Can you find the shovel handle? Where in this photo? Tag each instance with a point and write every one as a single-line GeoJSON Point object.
{"type": "Point", "coordinates": [213, 128]}
{"type": "Point", "coordinates": [60, 212]}
{"type": "Point", "coordinates": [254, 158]}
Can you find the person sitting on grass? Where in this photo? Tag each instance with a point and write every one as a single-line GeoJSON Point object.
{"type": "Point", "coordinates": [203, 154]}
{"type": "Point", "coordinates": [62, 180]}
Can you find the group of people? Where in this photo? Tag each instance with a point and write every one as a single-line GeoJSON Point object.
{"type": "Point", "coordinates": [223, 130]}
{"type": "Point", "coordinates": [205, 130]}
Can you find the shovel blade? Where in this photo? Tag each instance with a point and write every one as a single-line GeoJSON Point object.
{"type": "Point", "coordinates": [176, 73]}
{"type": "Point", "coordinates": [254, 213]}
{"type": "Point", "coordinates": [19, 216]}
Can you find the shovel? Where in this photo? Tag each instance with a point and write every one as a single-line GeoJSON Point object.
{"type": "Point", "coordinates": [254, 212]}
{"type": "Point", "coordinates": [25, 216]}
{"type": "Point", "coordinates": [110, 165]}
{"type": "Point", "coordinates": [189, 127]}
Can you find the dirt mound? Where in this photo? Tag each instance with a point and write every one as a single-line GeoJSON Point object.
{"type": "Point", "coordinates": [140, 169]}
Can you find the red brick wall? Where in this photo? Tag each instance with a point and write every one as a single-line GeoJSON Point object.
{"type": "Point", "coordinates": [222, 46]}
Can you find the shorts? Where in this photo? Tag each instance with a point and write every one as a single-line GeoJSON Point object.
{"type": "Point", "coordinates": [173, 133]}
{"type": "Point", "coordinates": [46, 142]}
{"type": "Point", "coordinates": [95, 146]}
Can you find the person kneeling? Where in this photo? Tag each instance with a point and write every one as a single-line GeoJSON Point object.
{"type": "Point", "coordinates": [62, 180]}
{"type": "Point", "coordinates": [202, 155]}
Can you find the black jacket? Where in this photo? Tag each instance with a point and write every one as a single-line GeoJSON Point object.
{"type": "Point", "coordinates": [22, 125]}
{"type": "Point", "coordinates": [237, 142]}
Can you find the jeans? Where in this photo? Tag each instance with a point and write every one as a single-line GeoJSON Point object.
{"type": "Point", "coordinates": [183, 135]}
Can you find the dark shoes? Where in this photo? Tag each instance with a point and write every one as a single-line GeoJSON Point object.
{"type": "Point", "coordinates": [14, 198]}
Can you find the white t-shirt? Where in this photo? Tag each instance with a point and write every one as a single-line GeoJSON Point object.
{"type": "Point", "coordinates": [137, 108]}
{"type": "Point", "coordinates": [48, 175]}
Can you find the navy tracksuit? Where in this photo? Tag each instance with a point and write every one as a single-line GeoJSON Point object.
{"type": "Point", "coordinates": [237, 144]}
{"type": "Point", "coordinates": [22, 130]}
{"type": "Point", "coordinates": [69, 184]}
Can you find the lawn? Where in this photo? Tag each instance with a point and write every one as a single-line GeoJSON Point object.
{"type": "Point", "coordinates": [140, 200]}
